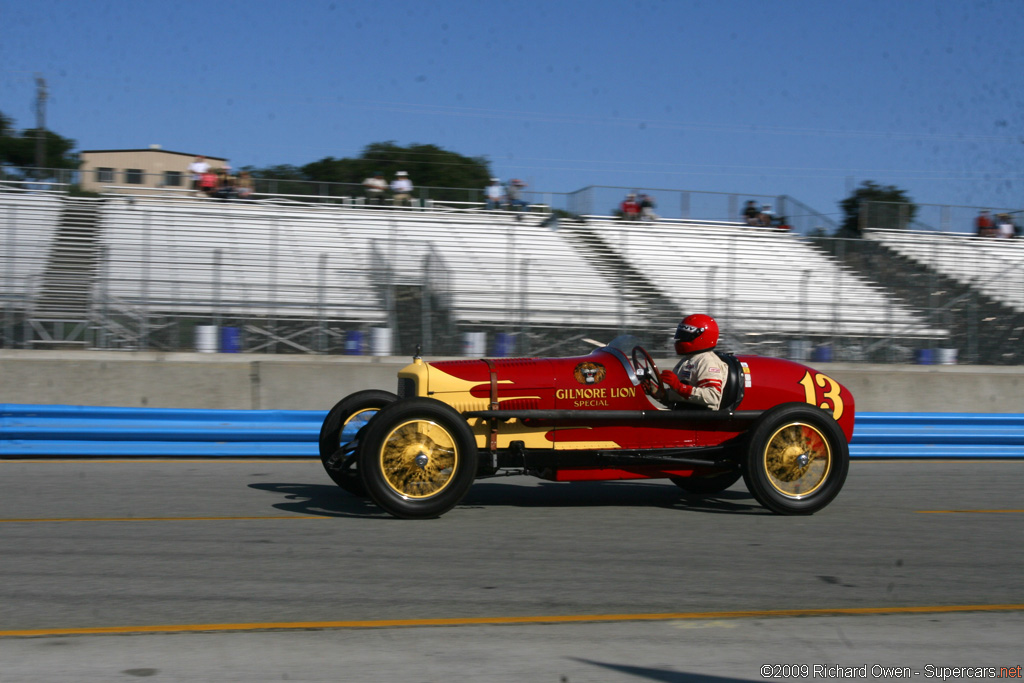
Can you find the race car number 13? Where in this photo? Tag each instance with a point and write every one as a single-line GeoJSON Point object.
{"type": "Point", "coordinates": [823, 391]}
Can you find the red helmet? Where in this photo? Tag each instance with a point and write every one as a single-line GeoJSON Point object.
{"type": "Point", "coordinates": [697, 332]}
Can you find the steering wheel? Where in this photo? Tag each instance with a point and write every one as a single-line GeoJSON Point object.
{"type": "Point", "coordinates": [647, 372]}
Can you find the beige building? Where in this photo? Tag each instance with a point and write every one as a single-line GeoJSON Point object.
{"type": "Point", "coordinates": [139, 169]}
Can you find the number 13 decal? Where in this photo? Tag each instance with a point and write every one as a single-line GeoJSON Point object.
{"type": "Point", "coordinates": [830, 393]}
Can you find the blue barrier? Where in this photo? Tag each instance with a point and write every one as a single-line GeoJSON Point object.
{"type": "Point", "coordinates": [84, 431]}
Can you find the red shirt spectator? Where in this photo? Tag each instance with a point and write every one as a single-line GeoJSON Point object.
{"type": "Point", "coordinates": [630, 208]}
{"type": "Point", "coordinates": [984, 224]}
{"type": "Point", "coordinates": [208, 182]}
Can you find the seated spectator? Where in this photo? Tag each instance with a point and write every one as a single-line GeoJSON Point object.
{"type": "Point", "coordinates": [630, 208]}
{"type": "Point", "coordinates": [401, 189]}
{"type": "Point", "coordinates": [514, 193]}
{"type": "Point", "coordinates": [647, 205]}
{"type": "Point", "coordinates": [374, 188]}
{"type": "Point", "coordinates": [197, 168]}
{"type": "Point", "coordinates": [495, 194]}
{"type": "Point", "coordinates": [244, 185]}
{"type": "Point", "coordinates": [750, 213]}
{"type": "Point", "coordinates": [766, 217]}
{"type": "Point", "coordinates": [983, 225]}
{"type": "Point", "coordinates": [226, 189]}
{"type": "Point", "coordinates": [1005, 227]}
{"type": "Point", "coordinates": [208, 182]}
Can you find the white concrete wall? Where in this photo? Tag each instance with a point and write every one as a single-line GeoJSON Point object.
{"type": "Point", "coordinates": [244, 381]}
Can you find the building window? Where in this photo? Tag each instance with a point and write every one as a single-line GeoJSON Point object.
{"type": "Point", "coordinates": [133, 176]}
{"type": "Point", "coordinates": [104, 175]}
{"type": "Point", "coordinates": [172, 178]}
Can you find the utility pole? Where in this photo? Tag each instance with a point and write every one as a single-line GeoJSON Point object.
{"type": "Point", "coordinates": [40, 125]}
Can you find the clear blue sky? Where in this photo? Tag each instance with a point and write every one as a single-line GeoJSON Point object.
{"type": "Point", "coordinates": [782, 97]}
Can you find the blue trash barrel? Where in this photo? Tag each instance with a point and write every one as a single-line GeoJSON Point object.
{"type": "Point", "coordinates": [353, 343]}
{"type": "Point", "coordinates": [504, 344]}
{"type": "Point", "coordinates": [230, 340]}
{"type": "Point", "coordinates": [926, 357]}
{"type": "Point", "coordinates": [822, 354]}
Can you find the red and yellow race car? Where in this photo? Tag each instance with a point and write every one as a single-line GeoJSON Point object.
{"type": "Point", "coordinates": [783, 427]}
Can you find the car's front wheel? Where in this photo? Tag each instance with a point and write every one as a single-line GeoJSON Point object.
{"type": "Point", "coordinates": [338, 444]}
{"type": "Point", "coordinates": [417, 458]}
{"type": "Point", "coordinates": [797, 460]}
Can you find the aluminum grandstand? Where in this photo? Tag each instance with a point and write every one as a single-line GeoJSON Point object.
{"type": "Point", "coordinates": [144, 271]}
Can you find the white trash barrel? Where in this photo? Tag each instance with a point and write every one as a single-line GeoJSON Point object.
{"type": "Point", "coordinates": [206, 338]}
{"type": "Point", "coordinates": [474, 344]}
{"type": "Point", "coordinates": [380, 341]}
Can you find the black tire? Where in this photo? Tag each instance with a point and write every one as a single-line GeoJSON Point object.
{"type": "Point", "coordinates": [417, 458]}
{"type": "Point", "coordinates": [797, 460]}
{"type": "Point", "coordinates": [709, 485]}
{"type": "Point", "coordinates": [338, 434]}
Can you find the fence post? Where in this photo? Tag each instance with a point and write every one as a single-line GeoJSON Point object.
{"type": "Point", "coordinates": [321, 305]}
{"type": "Point", "coordinates": [425, 300]}
{"type": "Point", "coordinates": [217, 264]}
{"type": "Point", "coordinates": [12, 234]}
{"type": "Point", "coordinates": [144, 320]}
{"type": "Point", "coordinates": [522, 341]}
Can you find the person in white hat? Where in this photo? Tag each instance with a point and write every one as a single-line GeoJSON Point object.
{"type": "Point", "coordinates": [401, 189]}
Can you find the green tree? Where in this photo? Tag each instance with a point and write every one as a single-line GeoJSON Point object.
{"type": "Point", "coordinates": [876, 206]}
{"type": "Point", "coordinates": [20, 149]}
{"type": "Point", "coordinates": [428, 166]}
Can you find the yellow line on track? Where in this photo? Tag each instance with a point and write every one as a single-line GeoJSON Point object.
{"type": "Point", "coordinates": [966, 512]}
{"type": "Point", "coordinates": [159, 519]}
{"type": "Point", "coordinates": [504, 621]}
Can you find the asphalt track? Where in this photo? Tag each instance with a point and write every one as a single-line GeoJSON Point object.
{"type": "Point", "coordinates": [219, 570]}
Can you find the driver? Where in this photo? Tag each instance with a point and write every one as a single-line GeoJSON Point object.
{"type": "Point", "coordinates": [700, 375]}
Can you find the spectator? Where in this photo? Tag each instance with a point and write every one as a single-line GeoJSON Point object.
{"type": "Point", "coordinates": [226, 188]}
{"type": "Point", "coordinates": [630, 208]}
{"type": "Point", "coordinates": [495, 194]}
{"type": "Point", "coordinates": [750, 213]}
{"type": "Point", "coordinates": [647, 208]}
{"type": "Point", "coordinates": [374, 188]}
{"type": "Point", "coordinates": [245, 185]}
{"type": "Point", "coordinates": [197, 168]}
{"type": "Point", "coordinates": [983, 224]}
{"type": "Point", "coordinates": [1005, 227]}
{"type": "Point", "coordinates": [514, 194]}
{"type": "Point", "coordinates": [208, 182]}
{"type": "Point", "coordinates": [767, 216]}
{"type": "Point", "coordinates": [401, 189]}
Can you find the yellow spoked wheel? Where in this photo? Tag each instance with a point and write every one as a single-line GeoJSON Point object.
{"type": "Point", "coordinates": [418, 459]}
{"type": "Point", "coordinates": [797, 459]}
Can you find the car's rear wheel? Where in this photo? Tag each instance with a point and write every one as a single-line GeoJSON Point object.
{"type": "Point", "coordinates": [797, 460]}
{"type": "Point", "coordinates": [338, 444]}
{"type": "Point", "coordinates": [707, 485]}
{"type": "Point", "coordinates": [417, 458]}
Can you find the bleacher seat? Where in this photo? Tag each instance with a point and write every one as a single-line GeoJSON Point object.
{"type": "Point", "coordinates": [988, 265]}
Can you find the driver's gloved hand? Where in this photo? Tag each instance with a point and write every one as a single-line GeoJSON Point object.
{"type": "Point", "coordinates": [672, 381]}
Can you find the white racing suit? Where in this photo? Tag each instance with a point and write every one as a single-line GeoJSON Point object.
{"type": "Point", "coordinates": [701, 380]}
